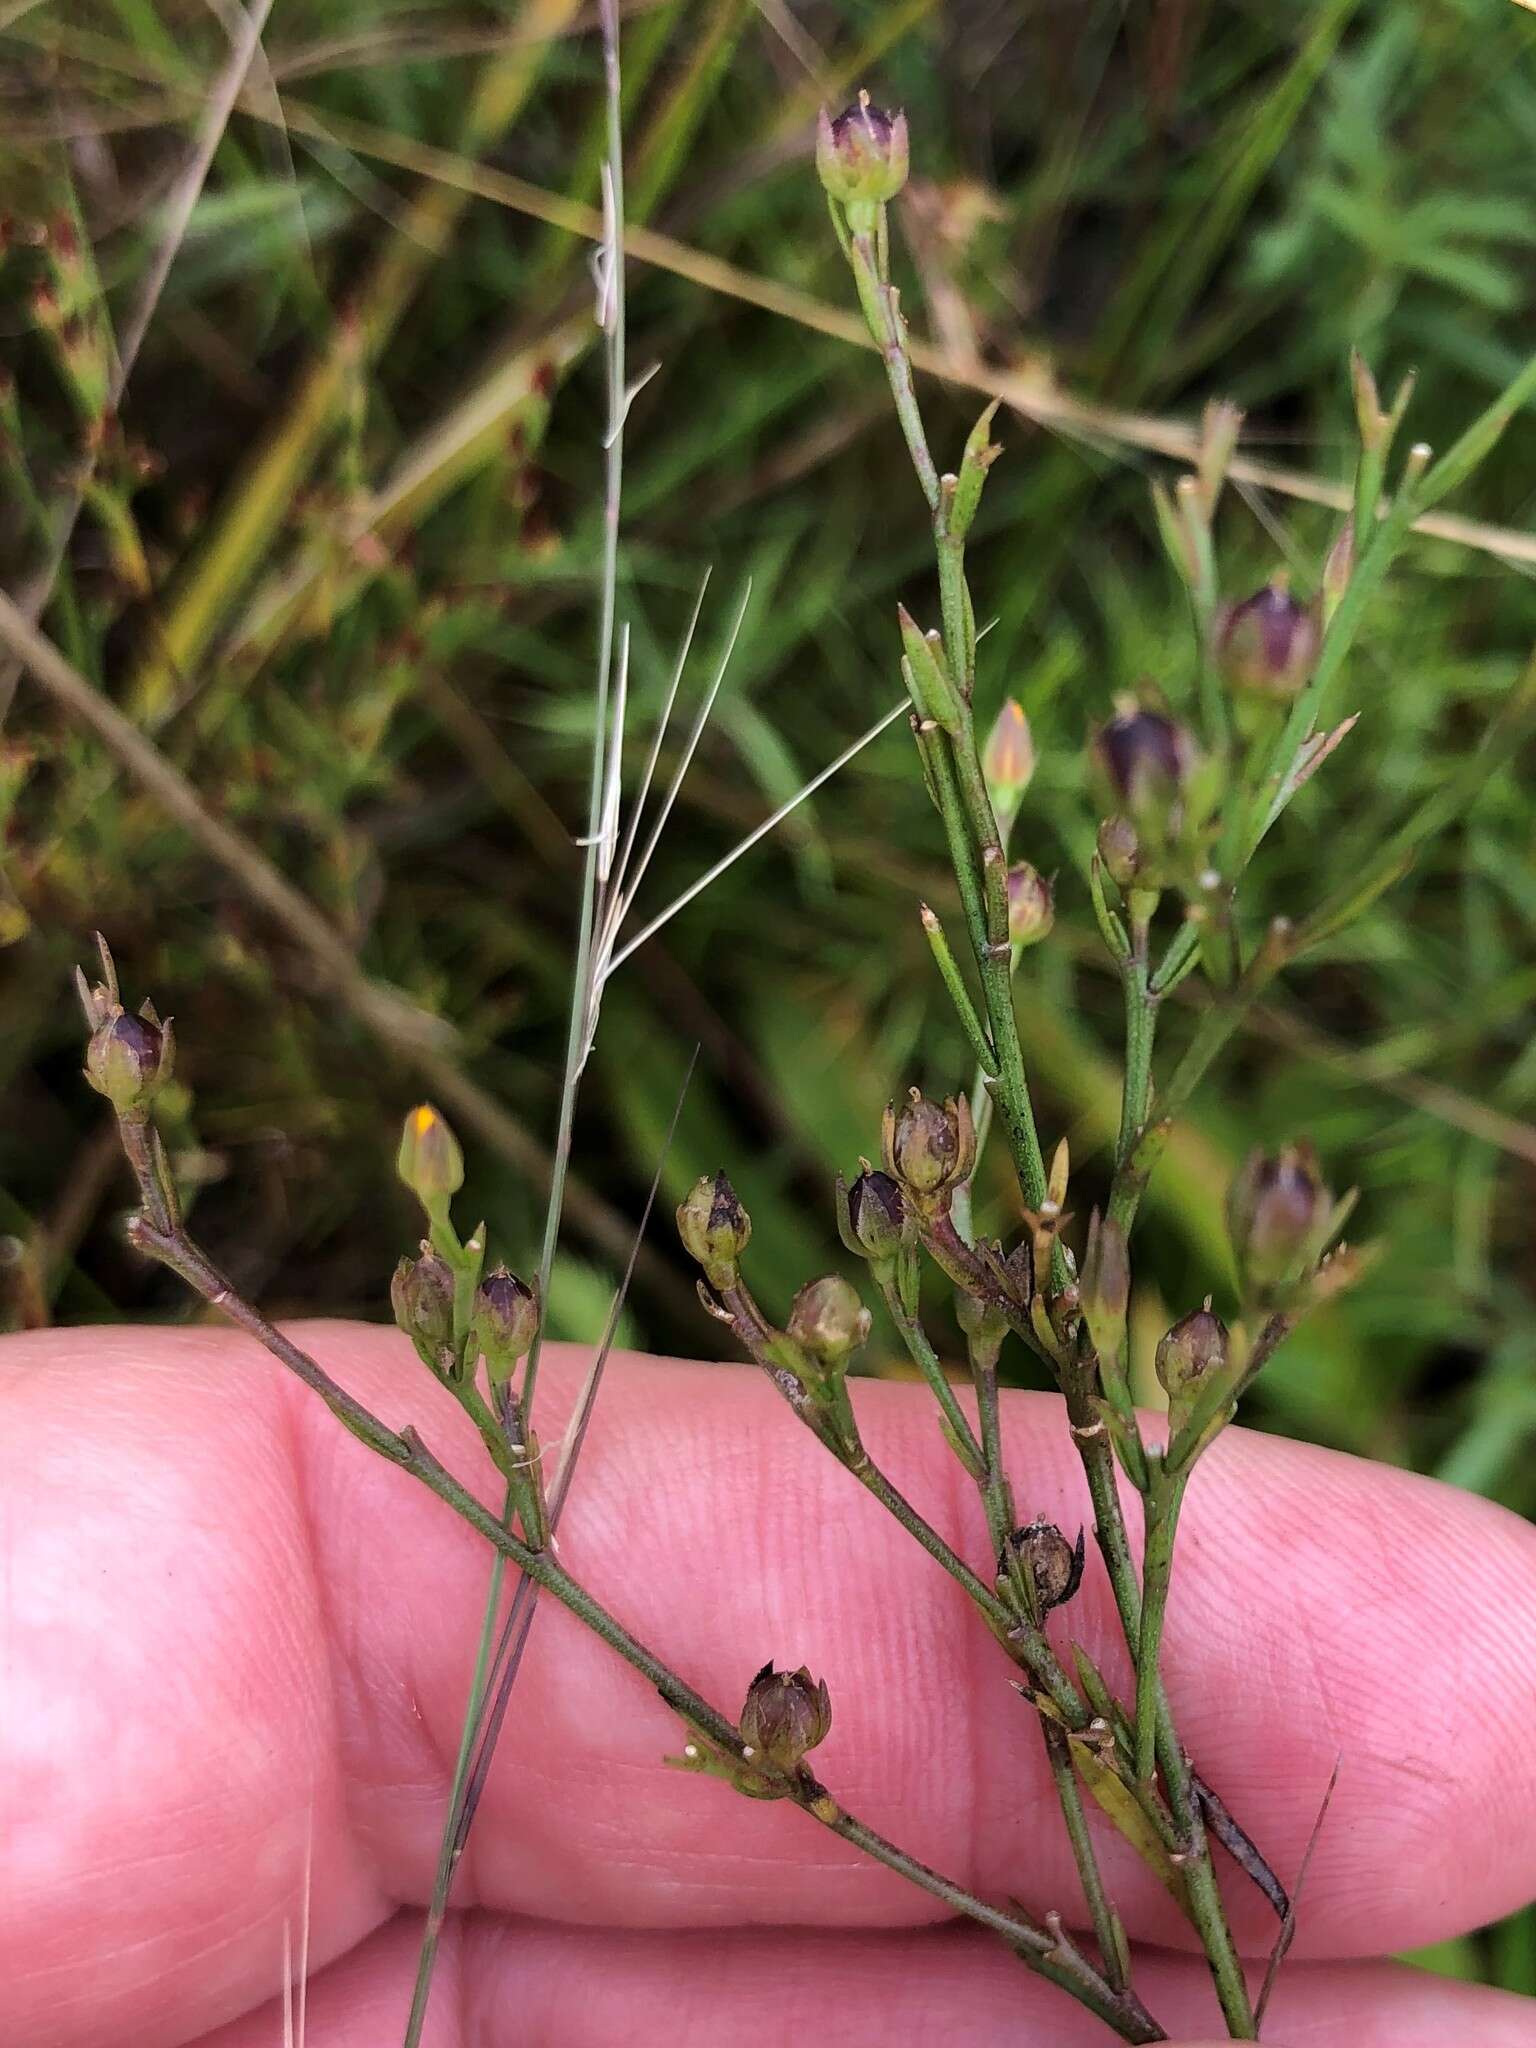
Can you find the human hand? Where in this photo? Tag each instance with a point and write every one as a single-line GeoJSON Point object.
{"type": "Point", "coordinates": [237, 1647]}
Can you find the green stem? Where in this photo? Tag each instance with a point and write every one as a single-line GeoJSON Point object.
{"type": "Point", "coordinates": [994, 962]}
{"type": "Point", "coordinates": [1057, 1960]}
{"type": "Point", "coordinates": [982, 1109]}
{"type": "Point", "coordinates": [1163, 1500]}
{"type": "Point", "coordinates": [1213, 1032]}
{"type": "Point", "coordinates": [959, 994]}
{"type": "Point", "coordinates": [869, 1476]}
{"type": "Point", "coordinates": [1205, 1902]}
{"type": "Point", "coordinates": [1140, 1030]}
{"type": "Point", "coordinates": [1469, 448]}
{"type": "Point", "coordinates": [884, 322]}
{"type": "Point", "coordinates": [975, 846]}
{"type": "Point", "coordinates": [996, 1493]}
{"type": "Point", "coordinates": [1380, 550]}
{"type": "Point", "coordinates": [946, 790]}
{"type": "Point", "coordinates": [1107, 1929]}
{"type": "Point", "coordinates": [448, 1853]}
{"type": "Point", "coordinates": [928, 1363]}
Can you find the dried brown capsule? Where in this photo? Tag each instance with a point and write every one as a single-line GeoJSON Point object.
{"type": "Point", "coordinates": [929, 1147]}
{"type": "Point", "coordinates": [421, 1295]}
{"type": "Point", "coordinates": [1054, 1566]}
{"type": "Point", "coordinates": [786, 1714]}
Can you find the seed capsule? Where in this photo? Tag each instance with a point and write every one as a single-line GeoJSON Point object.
{"type": "Point", "coordinates": [1268, 644]}
{"type": "Point", "coordinates": [126, 1060]}
{"type": "Point", "coordinates": [829, 1320]}
{"type": "Point", "coordinates": [505, 1321]}
{"type": "Point", "coordinates": [1145, 759]}
{"type": "Point", "coordinates": [1054, 1565]}
{"type": "Point", "coordinates": [786, 1714]}
{"type": "Point", "coordinates": [1120, 851]}
{"type": "Point", "coordinates": [877, 1215]}
{"type": "Point", "coordinates": [421, 1295]}
{"type": "Point", "coordinates": [714, 1227]}
{"type": "Point", "coordinates": [1191, 1352]}
{"type": "Point", "coordinates": [861, 153]}
{"type": "Point", "coordinates": [1105, 1284]}
{"type": "Point", "coordinates": [1276, 1207]}
{"type": "Point", "coordinates": [929, 1147]}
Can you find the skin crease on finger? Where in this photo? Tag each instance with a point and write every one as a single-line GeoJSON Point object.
{"type": "Point", "coordinates": [232, 1631]}
{"type": "Point", "coordinates": [546, 1987]}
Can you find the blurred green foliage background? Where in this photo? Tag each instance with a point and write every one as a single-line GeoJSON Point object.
{"type": "Point", "coordinates": [340, 564]}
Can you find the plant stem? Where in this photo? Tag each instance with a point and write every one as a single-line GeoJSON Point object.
{"type": "Point", "coordinates": [994, 961]}
{"type": "Point", "coordinates": [448, 1849]}
{"type": "Point", "coordinates": [959, 994]}
{"type": "Point", "coordinates": [1119, 2008]}
{"type": "Point", "coordinates": [1163, 1498]}
{"type": "Point", "coordinates": [870, 1476]}
{"type": "Point", "coordinates": [927, 1361]}
{"type": "Point", "coordinates": [976, 849]}
{"type": "Point", "coordinates": [1140, 1030]}
{"type": "Point", "coordinates": [1215, 1028]}
{"type": "Point", "coordinates": [884, 319]}
{"type": "Point", "coordinates": [1106, 1921]}
{"type": "Point", "coordinates": [996, 1493]}
{"type": "Point", "coordinates": [1021, 1637]}
{"type": "Point", "coordinates": [1206, 1908]}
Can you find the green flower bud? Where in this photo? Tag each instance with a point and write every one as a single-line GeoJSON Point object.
{"type": "Point", "coordinates": [505, 1321]}
{"type": "Point", "coordinates": [877, 1215]}
{"type": "Point", "coordinates": [421, 1295]}
{"type": "Point", "coordinates": [1031, 905]}
{"type": "Point", "coordinates": [128, 1058]}
{"type": "Point", "coordinates": [786, 1714]}
{"type": "Point", "coordinates": [429, 1162]}
{"type": "Point", "coordinates": [828, 1319]}
{"type": "Point", "coordinates": [861, 154]}
{"type": "Point", "coordinates": [1277, 1213]}
{"type": "Point", "coordinates": [929, 1149]}
{"type": "Point", "coordinates": [1053, 1565]}
{"type": "Point", "coordinates": [714, 1227]}
{"type": "Point", "coordinates": [1268, 644]}
{"type": "Point", "coordinates": [1008, 762]}
{"type": "Point", "coordinates": [1194, 1349]}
